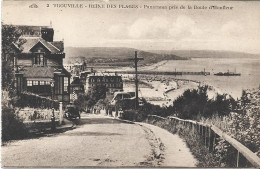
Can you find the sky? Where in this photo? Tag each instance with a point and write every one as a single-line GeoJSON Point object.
{"type": "Point", "coordinates": [147, 29]}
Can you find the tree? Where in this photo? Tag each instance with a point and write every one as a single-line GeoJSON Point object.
{"type": "Point", "coordinates": [10, 35]}
{"type": "Point", "coordinates": [93, 95]}
{"type": "Point", "coordinates": [195, 103]}
{"type": "Point", "coordinates": [12, 126]}
{"type": "Point", "coordinates": [244, 99]}
{"type": "Point", "coordinates": [96, 93]}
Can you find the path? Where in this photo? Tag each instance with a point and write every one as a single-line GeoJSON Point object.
{"type": "Point", "coordinates": [97, 141]}
{"type": "Point", "coordinates": [176, 152]}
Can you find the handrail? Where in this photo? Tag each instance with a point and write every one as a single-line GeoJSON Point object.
{"type": "Point", "coordinates": [248, 154]}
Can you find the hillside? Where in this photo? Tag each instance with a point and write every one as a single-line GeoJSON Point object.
{"type": "Point", "coordinates": [207, 53]}
{"type": "Point", "coordinates": [114, 55]}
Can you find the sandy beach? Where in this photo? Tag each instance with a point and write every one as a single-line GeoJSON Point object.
{"type": "Point", "coordinates": [163, 92]}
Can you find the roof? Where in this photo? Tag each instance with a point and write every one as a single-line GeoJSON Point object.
{"type": "Point", "coordinates": [31, 42]}
{"type": "Point", "coordinates": [104, 76]}
{"type": "Point", "coordinates": [38, 72]}
{"type": "Point", "coordinates": [42, 72]}
{"type": "Point", "coordinates": [76, 81]}
{"type": "Point", "coordinates": [30, 30]}
{"type": "Point", "coordinates": [58, 44]}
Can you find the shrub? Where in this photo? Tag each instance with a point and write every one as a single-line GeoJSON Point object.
{"type": "Point", "coordinates": [129, 115]}
{"type": "Point", "coordinates": [195, 103]}
{"type": "Point", "coordinates": [12, 126]}
{"type": "Point", "coordinates": [244, 126]}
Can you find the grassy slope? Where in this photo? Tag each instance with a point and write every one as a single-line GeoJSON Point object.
{"type": "Point", "coordinates": [113, 55]}
{"type": "Point", "coordinates": [207, 53]}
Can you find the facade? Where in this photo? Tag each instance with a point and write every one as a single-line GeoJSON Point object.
{"type": "Point", "coordinates": [38, 63]}
{"type": "Point", "coordinates": [69, 67]}
{"type": "Point", "coordinates": [76, 88]}
{"type": "Point", "coordinates": [76, 68]}
{"type": "Point", "coordinates": [113, 83]}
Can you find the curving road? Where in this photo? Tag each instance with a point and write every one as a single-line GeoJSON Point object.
{"type": "Point", "coordinates": [101, 141]}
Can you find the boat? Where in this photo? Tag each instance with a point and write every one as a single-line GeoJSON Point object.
{"type": "Point", "coordinates": [227, 74]}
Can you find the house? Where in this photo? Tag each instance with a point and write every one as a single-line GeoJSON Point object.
{"type": "Point", "coordinates": [38, 63]}
{"type": "Point", "coordinates": [76, 68]}
{"type": "Point", "coordinates": [79, 67]}
{"type": "Point", "coordinates": [76, 88]}
{"type": "Point", "coordinates": [113, 82]}
{"type": "Point", "coordinates": [69, 67]}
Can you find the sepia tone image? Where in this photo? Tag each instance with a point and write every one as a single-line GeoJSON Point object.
{"type": "Point", "coordinates": [130, 84]}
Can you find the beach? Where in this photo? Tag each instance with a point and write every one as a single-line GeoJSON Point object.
{"type": "Point", "coordinates": [164, 89]}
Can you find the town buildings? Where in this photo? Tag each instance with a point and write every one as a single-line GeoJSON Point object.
{"type": "Point", "coordinates": [112, 82]}
{"type": "Point", "coordinates": [38, 63]}
{"type": "Point", "coordinates": [76, 68]}
{"type": "Point", "coordinates": [76, 88]}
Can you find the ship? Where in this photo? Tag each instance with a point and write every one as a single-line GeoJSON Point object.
{"type": "Point", "coordinates": [227, 74]}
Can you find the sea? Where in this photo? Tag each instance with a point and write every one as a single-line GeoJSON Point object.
{"type": "Point", "coordinates": [233, 85]}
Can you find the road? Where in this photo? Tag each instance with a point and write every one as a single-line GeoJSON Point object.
{"type": "Point", "coordinates": [101, 141]}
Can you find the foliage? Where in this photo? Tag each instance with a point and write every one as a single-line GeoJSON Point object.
{"type": "Point", "coordinates": [144, 110]}
{"type": "Point", "coordinates": [194, 104]}
{"type": "Point", "coordinates": [10, 34]}
{"type": "Point", "coordinates": [244, 99]}
{"type": "Point", "coordinates": [243, 125]}
{"type": "Point", "coordinates": [223, 155]}
{"type": "Point", "coordinates": [12, 125]}
{"type": "Point", "coordinates": [247, 124]}
{"type": "Point", "coordinates": [26, 99]}
{"type": "Point", "coordinates": [93, 95]}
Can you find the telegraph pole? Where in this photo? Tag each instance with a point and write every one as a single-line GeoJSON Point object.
{"type": "Point", "coordinates": [136, 59]}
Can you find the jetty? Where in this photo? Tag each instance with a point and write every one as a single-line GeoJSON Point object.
{"type": "Point", "coordinates": [161, 73]}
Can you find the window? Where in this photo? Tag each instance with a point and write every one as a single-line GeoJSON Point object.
{"type": "Point", "coordinates": [35, 83]}
{"type": "Point", "coordinates": [118, 97]}
{"type": "Point", "coordinates": [47, 83]}
{"type": "Point", "coordinates": [29, 83]}
{"type": "Point", "coordinates": [66, 84]}
{"type": "Point", "coordinates": [60, 85]}
{"type": "Point", "coordinates": [42, 83]}
{"type": "Point", "coordinates": [39, 59]}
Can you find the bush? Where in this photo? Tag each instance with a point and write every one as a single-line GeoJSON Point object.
{"type": "Point", "coordinates": [245, 124]}
{"type": "Point", "coordinates": [195, 103]}
{"type": "Point", "coordinates": [129, 115]}
{"type": "Point", "coordinates": [12, 126]}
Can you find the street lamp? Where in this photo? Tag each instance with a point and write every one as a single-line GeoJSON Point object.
{"type": "Point", "coordinates": [52, 89]}
{"type": "Point", "coordinates": [52, 93]}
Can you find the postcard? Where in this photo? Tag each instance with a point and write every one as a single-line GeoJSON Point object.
{"type": "Point", "coordinates": [118, 83]}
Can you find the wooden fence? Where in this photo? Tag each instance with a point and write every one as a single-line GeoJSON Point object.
{"type": "Point", "coordinates": [210, 133]}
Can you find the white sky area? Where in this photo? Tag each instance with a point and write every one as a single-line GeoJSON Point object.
{"type": "Point", "coordinates": [146, 29]}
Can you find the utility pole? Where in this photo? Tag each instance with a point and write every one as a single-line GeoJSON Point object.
{"type": "Point", "coordinates": [136, 59]}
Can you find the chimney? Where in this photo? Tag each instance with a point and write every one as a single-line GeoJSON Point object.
{"type": "Point", "coordinates": [47, 34]}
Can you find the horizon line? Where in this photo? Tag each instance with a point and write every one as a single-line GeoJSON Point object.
{"type": "Point", "coordinates": [162, 49]}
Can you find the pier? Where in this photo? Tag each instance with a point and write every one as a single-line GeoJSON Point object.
{"type": "Point", "coordinates": [161, 73]}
